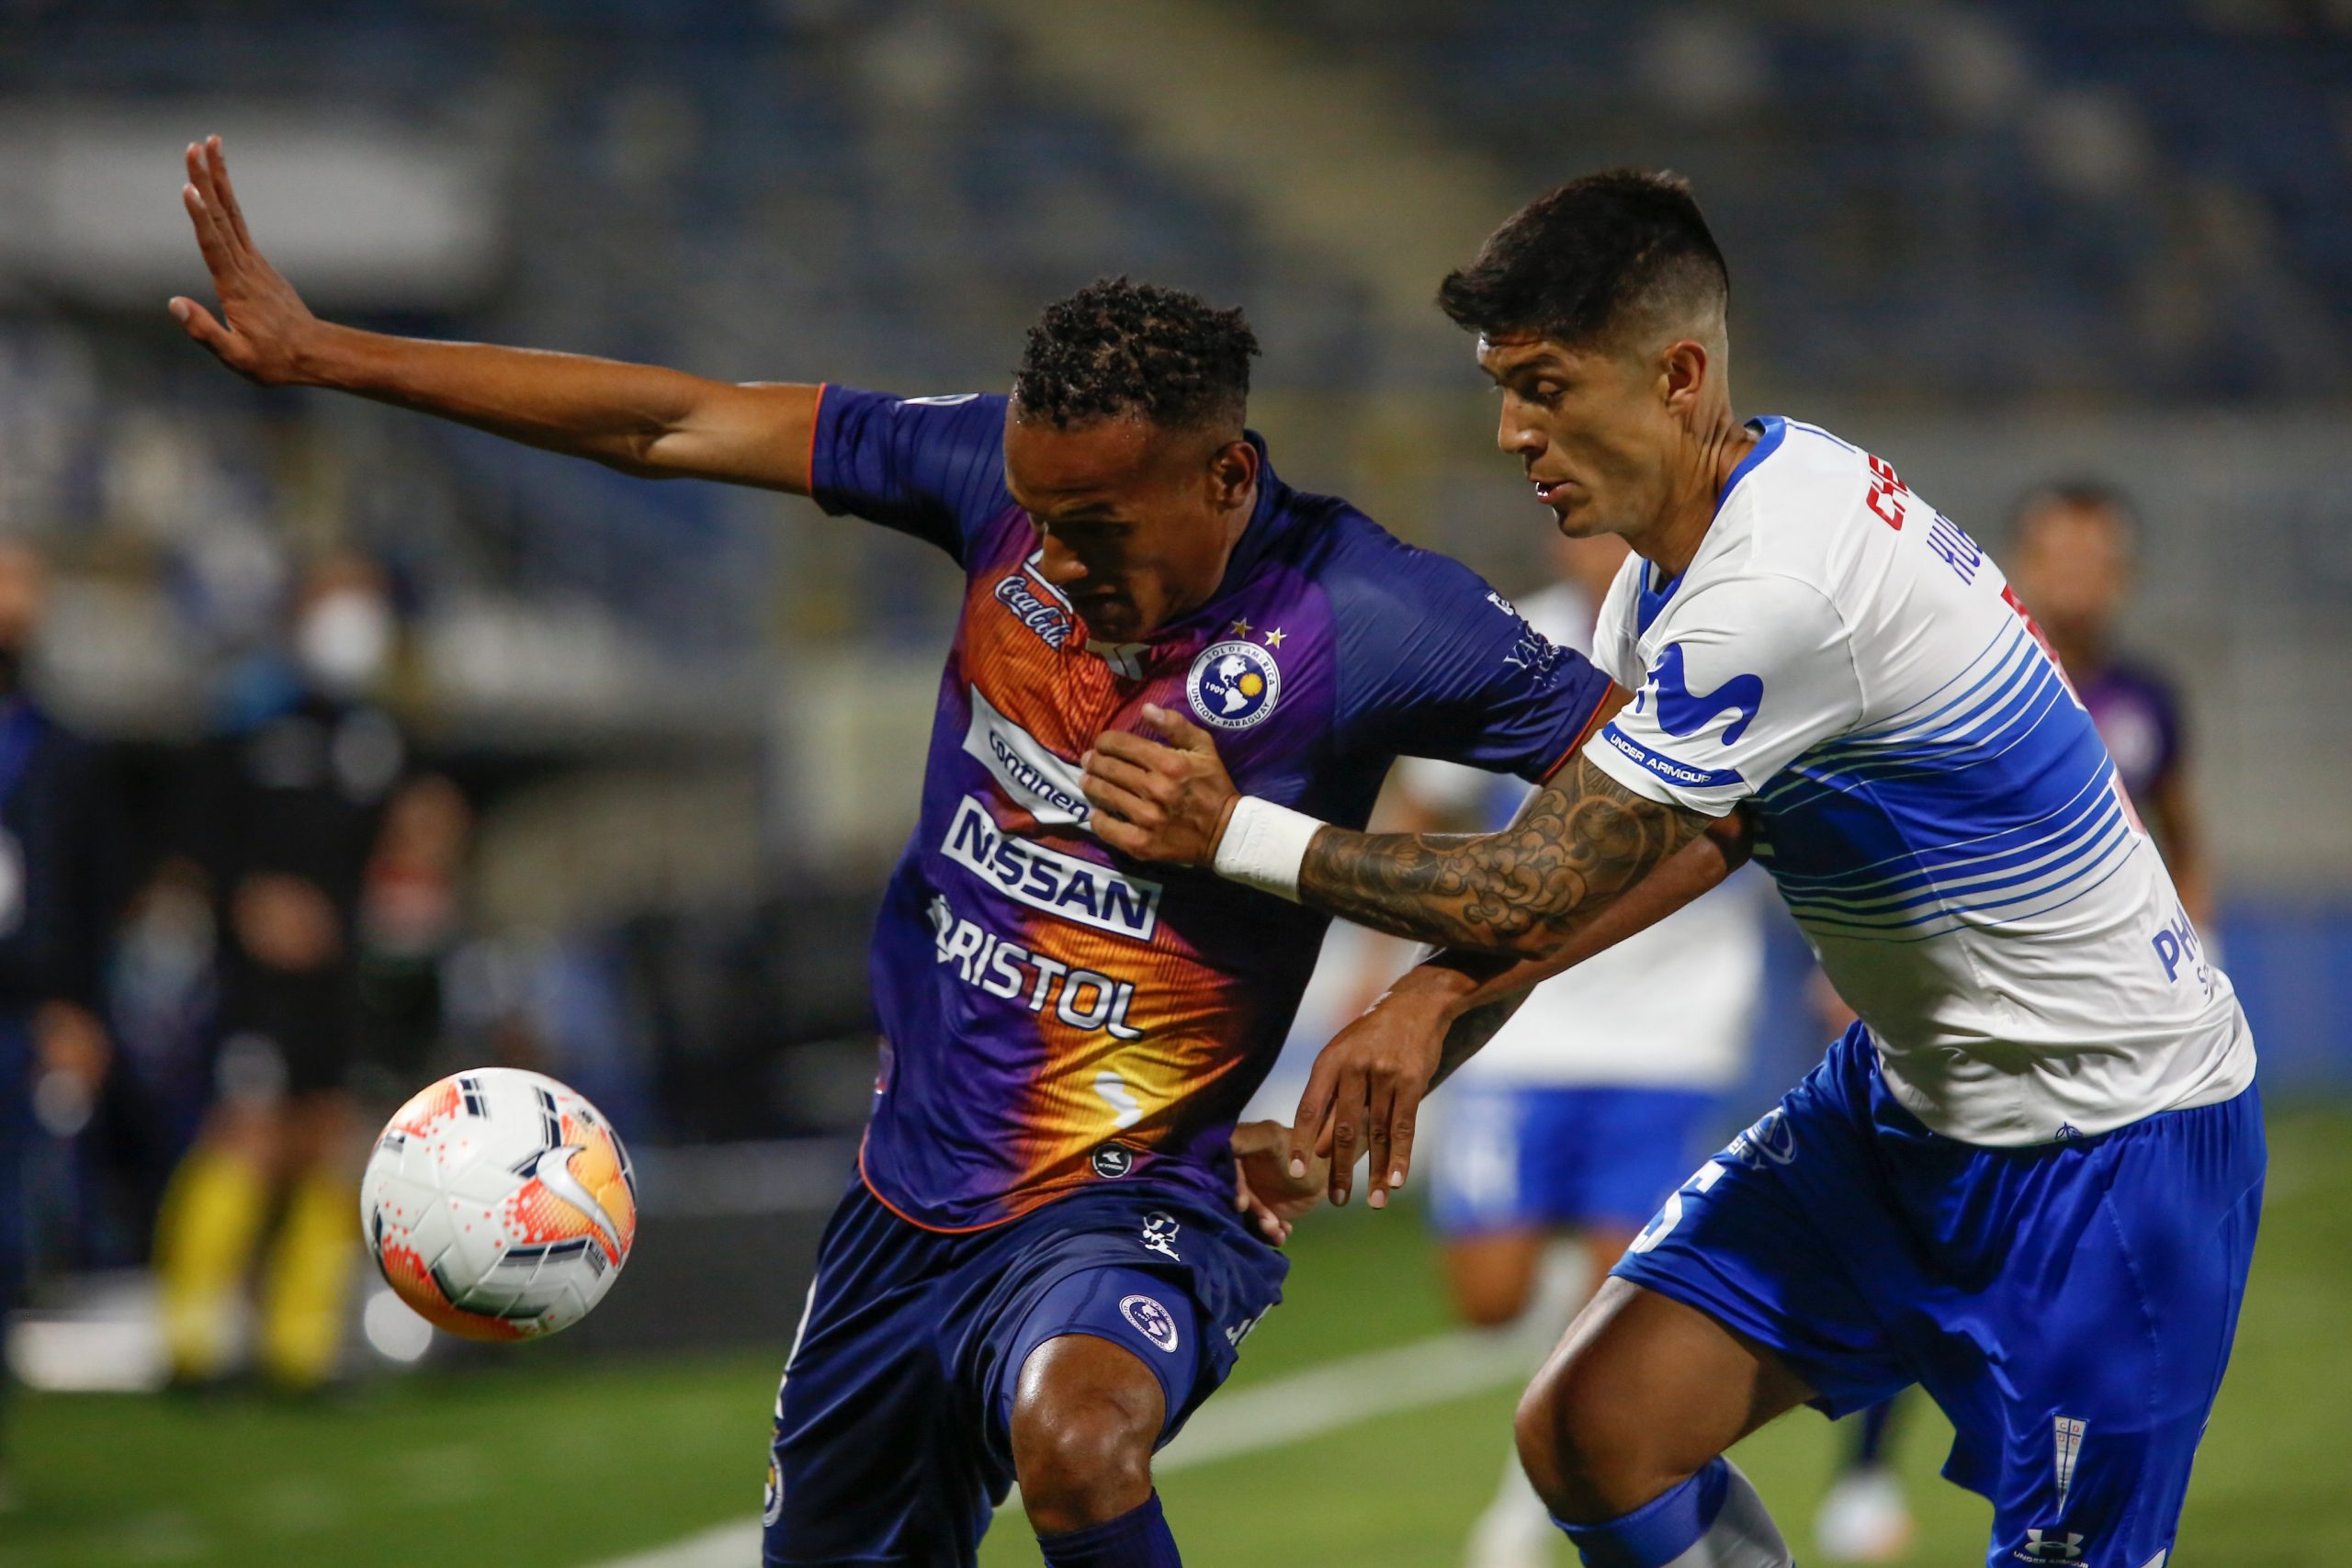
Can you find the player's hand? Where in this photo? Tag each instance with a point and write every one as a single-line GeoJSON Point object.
{"type": "Point", "coordinates": [1364, 1093]}
{"type": "Point", "coordinates": [1160, 802]}
{"type": "Point", "coordinates": [268, 327]}
{"type": "Point", "coordinates": [1264, 1186]}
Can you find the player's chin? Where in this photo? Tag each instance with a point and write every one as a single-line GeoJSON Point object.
{"type": "Point", "coordinates": [1108, 620]}
{"type": "Point", "coordinates": [1574, 517]}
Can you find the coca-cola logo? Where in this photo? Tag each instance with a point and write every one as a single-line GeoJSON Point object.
{"type": "Point", "coordinates": [1050, 621]}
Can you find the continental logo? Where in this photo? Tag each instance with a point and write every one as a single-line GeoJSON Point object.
{"type": "Point", "coordinates": [1047, 785]}
{"type": "Point", "coordinates": [1059, 884]}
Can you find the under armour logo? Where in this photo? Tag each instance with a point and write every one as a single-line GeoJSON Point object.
{"type": "Point", "coordinates": [2043, 1546]}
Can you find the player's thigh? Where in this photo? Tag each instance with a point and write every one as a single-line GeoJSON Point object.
{"type": "Point", "coordinates": [865, 1464]}
{"type": "Point", "coordinates": [1041, 1386]}
{"type": "Point", "coordinates": [1492, 1273]}
{"type": "Point", "coordinates": [1790, 1241]}
{"type": "Point", "coordinates": [1643, 1392]}
{"type": "Point", "coordinates": [2115, 1337]}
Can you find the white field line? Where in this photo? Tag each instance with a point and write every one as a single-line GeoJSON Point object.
{"type": "Point", "coordinates": [1246, 1420]}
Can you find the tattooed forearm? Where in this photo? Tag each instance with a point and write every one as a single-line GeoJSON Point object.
{"type": "Point", "coordinates": [1580, 842]}
{"type": "Point", "coordinates": [1471, 1031]}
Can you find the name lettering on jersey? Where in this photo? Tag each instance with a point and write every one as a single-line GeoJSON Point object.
{"type": "Point", "coordinates": [1060, 884]}
{"type": "Point", "coordinates": [1887, 494]}
{"type": "Point", "coordinates": [1047, 785]}
{"type": "Point", "coordinates": [1080, 997]}
{"type": "Point", "coordinates": [1668, 768]}
{"type": "Point", "coordinates": [1959, 552]}
{"type": "Point", "coordinates": [1051, 622]}
{"type": "Point", "coordinates": [1681, 711]}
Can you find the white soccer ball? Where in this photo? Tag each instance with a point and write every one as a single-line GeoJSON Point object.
{"type": "Point", "coordinates": [499, 1204]}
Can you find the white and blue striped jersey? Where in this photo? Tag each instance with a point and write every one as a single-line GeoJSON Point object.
{"type": "Point", "coordinates": [1935, 805]}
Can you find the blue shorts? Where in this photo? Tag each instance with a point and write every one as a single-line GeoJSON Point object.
{"type": "Point", "coordinates": [1538, 1156]}
{"type": "Point", "coordinates": [893, 1424]}
{"type": "Point", "coordinates": [2069, 1306]}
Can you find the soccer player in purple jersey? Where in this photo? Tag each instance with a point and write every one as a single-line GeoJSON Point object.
{"type": "Point", "coordinates": [1038, 1273]}
{"type": "Point", "coordinates": [2070, 557]}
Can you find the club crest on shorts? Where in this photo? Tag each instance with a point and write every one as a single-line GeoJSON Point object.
{"type": "Point", "coordinates": [1151, 1320]}
{"type": "Point", "coordinates": [1233, 684]}
{"type": "Point", "coordinates": [772, 1505]}
{"type": "Point", "coordinates": [1112, 1161]}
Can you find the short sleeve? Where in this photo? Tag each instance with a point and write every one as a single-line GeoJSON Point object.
{"type": "Point", "coordinates": [930, 467]}
{"type": "Point", "coordinates": [1614, 632]}
{"type": "Point", "coordinates": [1435, 663]}
{"type": "Point", "coordinates": [1749, 674]}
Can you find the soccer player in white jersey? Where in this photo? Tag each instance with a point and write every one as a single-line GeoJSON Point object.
{"type": "Point", "coordinates": [2030, 1178]}
{"type": "Point", "coordinates": [1568, 1128]}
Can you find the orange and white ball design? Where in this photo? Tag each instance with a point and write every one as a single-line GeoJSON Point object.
{"type": "Point", "coordinates": [500, 1204]}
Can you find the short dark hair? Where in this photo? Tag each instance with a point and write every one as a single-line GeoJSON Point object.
{"type": "Point", "coordinates": [1578, 262]}
{"type": "Point", "coordinates": [1117, 347]}
{"type": "Point", "coordinates": [2073, 495]}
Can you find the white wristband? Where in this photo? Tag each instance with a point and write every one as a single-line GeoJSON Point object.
{"type": "Point", "coordinates": [1265, 845]}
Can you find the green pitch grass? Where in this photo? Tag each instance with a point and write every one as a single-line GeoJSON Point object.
{"type": "Point", "coordinates": [560, 1466]}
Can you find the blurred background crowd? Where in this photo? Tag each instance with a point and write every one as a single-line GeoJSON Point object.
{"type": "Point", "coordinates": [339, 749]}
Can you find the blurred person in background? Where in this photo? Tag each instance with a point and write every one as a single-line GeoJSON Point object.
{"type": "Point", "coordinates": [412, 912]}
{"type": "Point", "coordinates": [282, 817]}
{"type": "Point", "coordinates": [2070, 558]}
{"type": "Point", "coordinates": [55, 887]}
{"type": "Point", "coordinates": [1595, 1099]}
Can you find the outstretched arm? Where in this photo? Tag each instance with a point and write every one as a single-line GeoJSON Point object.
{"type": "Point", "coordinates": [1365, 1090]}
{"type": "Point", "coordinates": [640, 419]}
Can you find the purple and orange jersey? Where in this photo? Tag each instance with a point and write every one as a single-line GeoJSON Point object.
{"type": "Point", "coordinates": [2135, 712]}
{"type": "Point", "coordinates": [1055, 1015]}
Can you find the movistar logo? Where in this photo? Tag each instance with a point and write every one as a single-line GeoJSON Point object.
{"type": "Point", "coordinates": [1681, 711]}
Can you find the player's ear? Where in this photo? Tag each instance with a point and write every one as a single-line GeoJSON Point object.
{"type": "Point", "coordinates": [1682, 375]}
{"type": "Point", "coordinates": [1233, 473]}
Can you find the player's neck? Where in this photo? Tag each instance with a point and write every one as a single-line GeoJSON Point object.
{"type": "Point", "coordinates": [1681, 527]}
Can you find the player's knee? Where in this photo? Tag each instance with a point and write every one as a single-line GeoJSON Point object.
{"type": "Point", "coordinates": [1586, 1450]}
{"type": "Point", "coordinates": [1487, 1302]}
{"type": "Point", "coordinates": [1081, 1443]}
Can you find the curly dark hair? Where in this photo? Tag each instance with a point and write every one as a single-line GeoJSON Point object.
{"type": "Point", "coordinates": [1580, 261]}
{"type": "Point", "coordinates": [1117, 347]}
